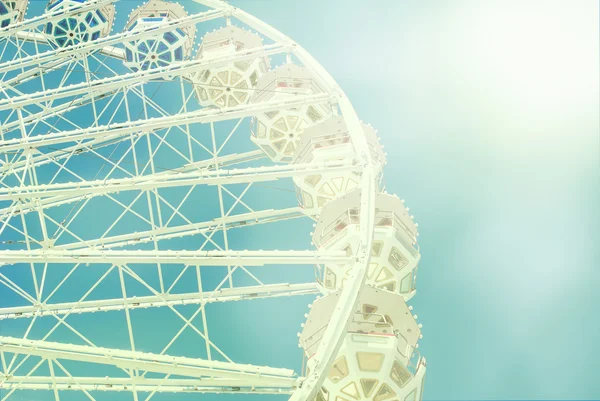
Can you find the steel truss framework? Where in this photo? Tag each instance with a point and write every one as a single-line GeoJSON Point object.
{"type": "Point", "coordinates": [47, 192]}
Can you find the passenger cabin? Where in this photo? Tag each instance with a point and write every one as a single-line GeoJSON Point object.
{"type": "Point", "coordinates": [394, 254]}
{"type": "Point", "coordinates": [326, 142]}
{"type": "Point", "coordinates": [78, 28]}
{"type": "Point", "coordinates": [230, 83]}
{"type": "Point", "coordinates": [278, 132]}
{"type": "Point", "coordinates": [162, 48]}
{"type": "Point", "coordinates": [378, 359]}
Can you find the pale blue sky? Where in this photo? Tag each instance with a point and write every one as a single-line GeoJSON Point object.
{"type": "Point", "coordinates": [489, 113]}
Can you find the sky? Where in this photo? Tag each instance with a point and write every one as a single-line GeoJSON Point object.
{"type": "Point", "coordinates": [488, 111]}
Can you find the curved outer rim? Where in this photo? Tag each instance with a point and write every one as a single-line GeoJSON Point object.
{"type": "Point", "coordinates": [332, 339]}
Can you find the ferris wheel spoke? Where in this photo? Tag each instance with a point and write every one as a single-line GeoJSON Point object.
{"type": "Point", "coordinates": [63, 226]}
{"type": "Point", "coordinates": [53, 378]}
{"type": "Point", "coordinates": [142, 126]}
{"type": "Point", "coordinates": [24, 122]}
{"type": "Point", "coordinates": [54, 156]}
{"type": "Point", "coordinates": [177, 231]}
{"type": "Point", "coordinates": [61, 320]}
{"type": "Point", "coordinates": [5, 281]}
{"type": "Point", "coordinates": [157, 301]}
{"type": "Point", "coordinates": [183, 129]}
{"type": "Point", "coordinates": [25, 207]}
{"type": "Point", "coordinates": [200, 258]}
{"type": "Point", "coordinates": [28, 161]}
{"type": "Point", "coordinates": [83, 189]}
{"type": "Point", "coordinates": [14, 388]}
{"type": "Point", "coordinates": [37, 301]}
{"type": "Point", "coordinates": [49, 112]}
{"type": "Point", "coordinates": [34, 72]}
{"type": "Point", "coordinates": [188, 367]}
{"type": "Point", "coordinates": [142, 385]}
{"type": "Point", "coordinates": [57, 111]}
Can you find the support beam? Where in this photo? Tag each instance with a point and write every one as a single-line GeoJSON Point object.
{"type": "Point", "coordinates": [142, 385]}
{"type": "Point", "coordinates": [45, 158]}
{"type": "Point", "coordinates": [35, 72]}
{"type": "Point", "coordinates": [201, 166]}
{"type": "Point", "coordinates": [155, 301]}
{"type": "Point", "coordinates": [87, 189]}
{"type": "Point", "coordinates": [49, 112]}
{"type": "Point", "coordinates": [117, 130]}
{"type": "Point", "coordinates": [194, 258]}
{"type": "Point", "coordinates": [171, 365]}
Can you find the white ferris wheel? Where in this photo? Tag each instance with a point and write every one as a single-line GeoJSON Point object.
{"type": "Point", "coordinates": [150, 172]}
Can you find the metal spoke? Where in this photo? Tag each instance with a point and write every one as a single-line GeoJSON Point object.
{"type": "Point", "coordinates": [200, 258]}
{"type": "Point", "coordinates": [155, 301]}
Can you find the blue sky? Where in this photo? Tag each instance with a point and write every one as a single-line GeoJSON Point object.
{"type": "Point", "coordinates": [489, 113]}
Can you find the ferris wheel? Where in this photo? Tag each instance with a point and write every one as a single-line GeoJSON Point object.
{"type": "Point", "coordinates": [151, 171]}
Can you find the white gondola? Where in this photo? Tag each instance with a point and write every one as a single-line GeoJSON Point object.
{"type": "Point", "coordinates": [394, 255]}
{"type": "Point", "coordinates": [325, 142]}
{"type": "Point", "coordinates": [378, 359]}
{"type": "Point", "coordinates": [78, 28]}
{"type": "Point", "coordinates": [232, 83]}
{"type": "Point", "coordinates": [158, 49]}
{"type": "Point", "coordinates": [278, 132]}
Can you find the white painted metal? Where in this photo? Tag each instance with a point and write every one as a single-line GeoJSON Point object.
{"type": "Point", "coordinates": [194, 258]}
{"type": "Point", "coordinates": [191, 367]}
{"type": "Point", "coordinates": [102, 384]}
{"type": "Point", "coordinates": [156, 301]}
{"type": "Point", "coordinates": [234, 82]}
{"type": "Point", "coordinates": [329, 141]}
{"type": "Point", "coordinates": [143, 183]}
